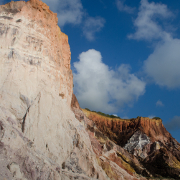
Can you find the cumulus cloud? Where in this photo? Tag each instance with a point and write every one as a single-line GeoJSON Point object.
{"type": "Point", "coordinates": [91, 26]}
{"type": "Point", "coordinates": [174, 123]}
{"type": "Point", "coordinates": [159, 103]}
{"type": "Point", "coordinates": [146, 23]}
{"type": "Point", "coordinates": [72, 12]}
{"type": "Point", "coordinates": [69, 12]}
{"type": "Point", "coordinates": [122, 7]}
{"type": "Point", "coordinates": [99, 88]}
{"type": "Point", "coordinates": [163, 64]}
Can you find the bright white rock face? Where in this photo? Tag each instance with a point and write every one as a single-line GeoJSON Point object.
{"type": "Point", "coordinates": [136, 144]}
{"type": "Point", "coordinates": [30, 86]}
{"type": "Point", "coordinates": [38, 129]}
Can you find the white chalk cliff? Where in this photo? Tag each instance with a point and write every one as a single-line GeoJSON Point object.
{"type": "Point", "coordinates": [40, 138]}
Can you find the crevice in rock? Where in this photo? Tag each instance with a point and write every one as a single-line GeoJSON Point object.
{"type": "Point", "coordinates": [63, 165]}
{"type": "Point", "coordinates": [24, 119]}
{"type": "Point", "coordinates": [6, 17]}
{"type": "Point", "coordinates": [29, 104]}
{"type": "Point", "coordinates": [19, 20]}
{"type": "Point", "coordinates": [1, 135]}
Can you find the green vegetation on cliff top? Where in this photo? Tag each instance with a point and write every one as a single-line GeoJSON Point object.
{"type": "Point", "coordinates": [103, 114]}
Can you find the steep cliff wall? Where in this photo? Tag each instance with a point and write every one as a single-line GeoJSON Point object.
{"type": "Point", "coordinates": [35, 72]}
{"type": "Point", "coordinates": [40, 138]}
{"type": "Point", "coordinates": [30, 36]}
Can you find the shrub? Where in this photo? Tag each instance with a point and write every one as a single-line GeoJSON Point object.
{"type": "Point", "coordinates": [156, 118]}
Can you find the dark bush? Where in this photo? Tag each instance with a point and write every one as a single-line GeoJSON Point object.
{"type": "Point", "coordinates": [156, 118]}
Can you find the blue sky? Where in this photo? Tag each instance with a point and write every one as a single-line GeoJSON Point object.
{"type": "Point", "coordinates": [125, 56]}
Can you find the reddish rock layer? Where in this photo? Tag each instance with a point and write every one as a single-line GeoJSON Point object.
{"type": "Point", "coordinates": [74, 102]}
{"type": "Point", "coordinates": [159, 157]}
{"type": "Point", "coordinates": [120, 130]}
{"type": "Point", "coordinates": [117, 163]}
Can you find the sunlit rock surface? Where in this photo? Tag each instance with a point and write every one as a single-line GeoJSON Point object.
{"type": "Point", "coordinates": [40, 138]}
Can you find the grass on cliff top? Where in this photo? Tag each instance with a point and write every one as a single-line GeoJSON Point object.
{"type": "Point", "coordinates": [117, 117]}
{"type": "Point", "coordinates": [103, 114]}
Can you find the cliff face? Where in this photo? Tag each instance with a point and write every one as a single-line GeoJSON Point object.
{"type": "Point", "coordinates": [74, 102]}
{"type": "Point", "coordinates": [124, 129]}
{"type": "Point", "coordinates": [44, 134]}
{"type": "Point", "coordinates": [30, 36]}
{"type": "Point", "coordinates": [143, 143]}
{"type": "Point", "coordinates": [40, 138]}
{"type": "Point", "coordinates": [35, 73]}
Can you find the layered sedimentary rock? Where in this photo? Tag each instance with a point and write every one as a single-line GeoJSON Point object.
{"type": "Point", "coordinates": [143, 145]}
{"type": "Point", "coordinates": [44, 134]}
{"type": "Point", "coordinates": [124, 129]}
{"type": "Point", "coordinates": [40, 138]}
{"type": "Point", "coordinates": [116, 162]}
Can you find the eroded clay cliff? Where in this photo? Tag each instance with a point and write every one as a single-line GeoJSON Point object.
{"type": "Point", "coordinates": [139, 145]}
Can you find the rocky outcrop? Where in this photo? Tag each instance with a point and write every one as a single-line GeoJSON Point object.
{"type": "Point", "coordinates": [40, 138]}
{"type": "Point", "coordinates": [143, 145]}
{"type": "Point", "coordinates": [117, 163]}
{"type": "Point", "coordinates": [44, 134]}
{"type": "Point", "coordinates": [136, 143]}
{"type": "Point", "coordinates": [120, 130]}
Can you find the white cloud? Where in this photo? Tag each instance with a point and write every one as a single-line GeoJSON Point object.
{"type": "Point", "coordinates": [151, 116]}
{"type": "Point", "coordinates": [99, 88]}
{"type": "Point", "coordinates": [159, 103]}
{"type": "Point", "coordinates": [174, 123]}
{"type": "Point", "coordinates": [122, 7]}
{"type": "Point", "coordinates": [163, 64]}
{"type": "Point", "coordinates": [147, 27]}
{"type": "Point", "coordinates": [72, 12]}
{"type": "Point", "coordinates": [91, 26]}
{"type": "Point", "coordinates": [69, 11]}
